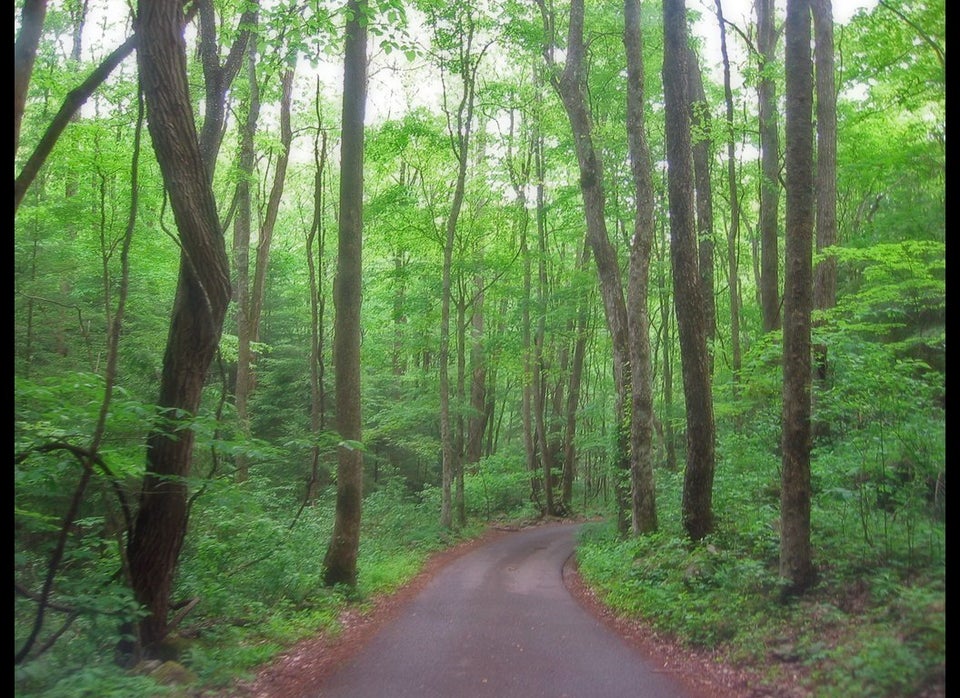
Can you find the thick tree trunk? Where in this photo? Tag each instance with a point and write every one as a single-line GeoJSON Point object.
{"type": "Point", "coordinates": [796, 564]}
{"type": "Point", "coordinates": [698, 480]}
{"type": "Point", "coordinates": [203, 293]}
{"type": "Point", "coordinates": [340, 562]}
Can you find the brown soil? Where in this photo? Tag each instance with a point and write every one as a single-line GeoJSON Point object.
{"type": "Point", "coordinates": [298, 672]}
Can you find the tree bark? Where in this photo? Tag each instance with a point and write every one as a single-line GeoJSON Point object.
{"type": "Point", "coordinates": [796, 565]}
{"type": "Point", "coordinates": [702, 144]}
{"type": "Point", "coordinates": [769, 166]}
{"type": "Point", "coordinates": [203, 293]}
{"type": "Point", "coordinates": [697, 508]}
{"type": "Point", "coordinates": [217, 78]}
{"type": "Point", "coordinates": [340, 562]}
{"type": "Point", "coordinates": [643, 490]}
{"type": "Point", "coordinates": [825, 273]}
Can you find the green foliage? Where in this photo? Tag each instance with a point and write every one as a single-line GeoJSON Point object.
{"type": "Point", "coordinates": [89, 679]}
{"type": "Point", "coordinates": [498, 485]}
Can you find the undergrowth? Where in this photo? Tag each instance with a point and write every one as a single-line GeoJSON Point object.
{"type": "Point", "coordinates": [873, 626]}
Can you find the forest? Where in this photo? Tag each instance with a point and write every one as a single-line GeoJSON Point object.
{"type": "Point", "coordinates": [307, 291]}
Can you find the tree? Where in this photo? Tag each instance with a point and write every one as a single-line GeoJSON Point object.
{"type": "Point", "coordinates": [644, 508]}
{"type": "Point", "coordinates": [702, 146]}
{"type": "Point", "coordinates": [734, 231]}
{"type": "Point", "coordinates": [241, 256]}
{"type": "Point", "coordinates": [825, 273]}
{"type": "Point", "coordinates": [340, 562]}
{"type": "Point", "coordinates": [769, 166]}
{"type": "Point", "coordinates": [796, 564]}
{"type": "Point", "coordinates": [570, 85]}
{"type": "Point", "coordinates": [688, 290]}
{"type": "Point", "coordinates": [203, 293]}
{"type": "Point", "coordinates": [460, 39]}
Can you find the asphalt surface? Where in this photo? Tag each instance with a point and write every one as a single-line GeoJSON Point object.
{"type": "Point", "coordinates": [499, 623]}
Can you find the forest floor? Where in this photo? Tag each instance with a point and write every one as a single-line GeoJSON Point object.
{"type": "Point", "coordinates": [299, 671]}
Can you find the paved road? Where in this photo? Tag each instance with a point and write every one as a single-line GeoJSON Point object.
{"type": "Point", "coordinates": [498, 623]}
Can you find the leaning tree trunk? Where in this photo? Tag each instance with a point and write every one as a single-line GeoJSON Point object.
{"type": "Point", "coordinates": [340, 562]}
{"type": "Point", "coordinates": [688, 291]}
{"type": "Point", "coordinates": [570, 85]}
{"type": "Point", "coordinates": [796, 564]}
{"type": "Point", "coordinates": [203, 293]}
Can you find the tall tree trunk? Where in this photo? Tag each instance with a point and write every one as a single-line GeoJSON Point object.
{"type": "Point", "coordinates": [315, 263]}
{"type": "Point", "coordinates": [478, 379]}
{"type": "Point", "coordinates": [253, 298]}
{"type": "Point", "coordinates": [461, 397]}
{"type": "Point", "coordinates": [825, 272]}
{"type": "Point", "coordinates": [259, 292]}
{"type": "Point", "coordinates": [540, 373]}
{"type": "Point", "coordinates": [529, 363]}
{"type": "Point", "coordinates": [581, 335]}
{"type": "Point", "coordinates": [241, 258]}
{"type": "Point", "coordinates": [702, 144]}
{"type": "Point", "coordinates": [460, 124]}
{"type": "Point", "coordinates": [520, 176]}
{"type": "Point", "coordinates": [570, 85]}
{"type": "Point", "coordinates": [733, 235]}
{"type": "Point", "coordinates": [825, 279]}
{"type": "Point", "coordinates": [643, 501]}
{"type": "Point", "coordinates": [769, 166]}
{"type": "Point", "coordinates": [796, 564]}
{"type": "Point", "coordinates": [203, 293]}
{"type": "Point", "coordinates": [698, 478]}
{"type": "Point", "coordinates": [340, 562]}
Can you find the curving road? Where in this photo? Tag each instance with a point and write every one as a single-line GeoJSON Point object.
{"type": "Point", "coordinates": [499, 623]}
